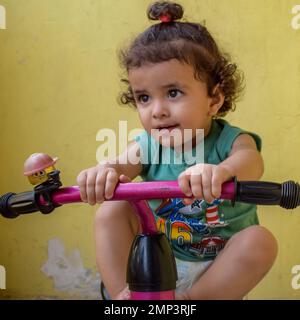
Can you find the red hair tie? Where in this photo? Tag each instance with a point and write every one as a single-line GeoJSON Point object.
{"type": "Point", "coordinates": [165, 18]}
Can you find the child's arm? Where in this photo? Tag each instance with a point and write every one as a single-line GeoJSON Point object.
{"type": "Point", "coordinates": [204, 181]}
{"type": "Point", "coordinates": [244, 161]}
{"type": "Point", "coordinates": [98, 183]}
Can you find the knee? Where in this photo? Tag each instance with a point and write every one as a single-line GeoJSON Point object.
{"type": "Point", "coordinates": [104, 214]}
{"type": "Point", "coordinates": [258, 247]}
{"type": "Point", "coordinates": [111, 213]}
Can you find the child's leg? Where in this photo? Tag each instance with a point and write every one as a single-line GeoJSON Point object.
{"type": "Point", "coordinates": [116, 225]}
{"type": "Point", "coordinates": [240, 266]}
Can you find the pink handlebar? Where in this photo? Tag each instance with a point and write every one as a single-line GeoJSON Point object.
{"type": "Point", "coordinates": [137, 191]}
{"type": "Point", "coordinates": [47, 196]}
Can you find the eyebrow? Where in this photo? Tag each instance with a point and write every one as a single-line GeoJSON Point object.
{"type": "Point", "coordinates": [174, 84]}
{"type": "Point", "coordinates": [166, 86]}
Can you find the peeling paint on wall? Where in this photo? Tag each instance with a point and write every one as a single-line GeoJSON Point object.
{"type": "Point", "coordinates": [69, 274]}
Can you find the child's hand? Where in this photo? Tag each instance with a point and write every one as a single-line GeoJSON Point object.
{"type": "Point", "coordinates": [98, 183]}
{"type": "Point", "coordinates": [203, 181]}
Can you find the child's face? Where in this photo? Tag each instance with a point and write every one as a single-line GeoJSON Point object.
{"type": "Point", "coordinates": [168, 97]}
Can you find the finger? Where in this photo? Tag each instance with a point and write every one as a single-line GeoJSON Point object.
{"type": "Point", "coordinates": [184, 183]}
{"type": "Point", "coordinates": [216, 187]}
{"type": "Point", "coordinates": [196, 185]}
{"type": "Point", "coordinates": [124, 179]}
{"type": "Point", "coordinates": [100, 186]}
{"type": "Point", "coordinates": [206, 185]}
{"type": "Point", "coordinates": [90, 187]}
{"type": "Point", "coordinates": [81, 181]}
{"type": "Point", "coordinates": [188, 201]}
{"type": "Point", "coordinates": [112, 179]}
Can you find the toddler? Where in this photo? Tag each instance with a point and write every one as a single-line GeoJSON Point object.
{"type": "Point", "coordinates": [178, 80]}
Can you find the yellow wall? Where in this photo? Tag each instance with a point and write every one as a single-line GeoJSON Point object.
{"type": "Point", "coordinates": [59, 79]}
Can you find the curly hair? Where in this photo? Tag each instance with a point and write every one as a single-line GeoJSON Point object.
{"type": "Point", "coordinates": [187, 42]}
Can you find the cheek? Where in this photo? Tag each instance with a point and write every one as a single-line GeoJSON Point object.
{"type": "Point", "coordinates": [144, 117]}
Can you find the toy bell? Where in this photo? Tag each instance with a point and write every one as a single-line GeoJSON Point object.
{"type": "Point", "coordinates": [38, 166]}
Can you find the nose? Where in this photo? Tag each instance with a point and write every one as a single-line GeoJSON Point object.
{"type": "Point", "coordinates": [160, 110]}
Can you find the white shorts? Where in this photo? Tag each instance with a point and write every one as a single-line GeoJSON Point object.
{"type": "Point", "coordinates": [189, 272]}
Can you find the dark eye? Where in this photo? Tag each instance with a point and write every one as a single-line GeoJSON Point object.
{"type": "Point", "coordinates": [174, 93]}
{"type": "Point", "coordinates": [143, 98]}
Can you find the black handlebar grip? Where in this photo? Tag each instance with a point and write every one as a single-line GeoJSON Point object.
{"type": "Point", "coordinates": [12, 205]}
{"type": "Point", "coordinates": [290, 196]}
{"type": "Point", "coordinates": [286, 195]}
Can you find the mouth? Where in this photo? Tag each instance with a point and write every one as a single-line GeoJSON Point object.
{"type": "Point", "coordinates": [168, 127]}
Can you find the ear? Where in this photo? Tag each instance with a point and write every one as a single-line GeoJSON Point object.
{"type": "Point", "coordinates": [217, 100]}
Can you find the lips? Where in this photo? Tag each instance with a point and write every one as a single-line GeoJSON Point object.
{"type": "Point", "coordinates": [167, 127]}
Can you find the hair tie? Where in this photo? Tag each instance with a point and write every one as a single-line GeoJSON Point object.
{"type": "Point", "coordinates": [165, 18]}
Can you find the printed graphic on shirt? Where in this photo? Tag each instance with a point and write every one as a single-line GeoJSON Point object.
{"type": "Point", "coordinates": [193, 228]}
{"type": "Point", "coordinates": [208, 247]}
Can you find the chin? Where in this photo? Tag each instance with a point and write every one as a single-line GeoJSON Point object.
{"type": "Point", "coordinates": [169, 142]}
